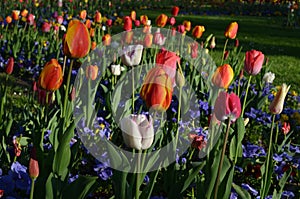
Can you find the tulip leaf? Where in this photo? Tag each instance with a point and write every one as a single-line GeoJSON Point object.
{"type": "Point", "coordinates": [79, 188]}
{"type": "Point", "coordinates": [242, 192]}
{"type": "Point", "coordinates": [191, 176]}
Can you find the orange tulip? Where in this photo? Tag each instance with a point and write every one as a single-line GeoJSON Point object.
{"type": "Point", "coordinates": [15, 14]}
{"type": "Point", "coordinates": [77, 41]}
{"type": "Point", "coordinates": [8, 19]}
{"type": "Point", "coordinates": [10, 66]}
{"type": "Point", "coordinates": [128, 36]}
{"type": "Point", "coordinates": [97, 17]}
{"type": "Point", "coordinates": [231, 30]}
{"type": "Point", "coordinates": [161, 20]}
{"type": "Point", "coordinates": [187, 25]}
{"type": "Point", "coordinates": [223, 76]}
{"type": "Point", "coordinates": [91, 72]}
{"type": "Point", "coordinates": [133, 15]}
{"type": "Point", "coordinates": [82, 14]}
{"type": "Point", "coordinates": [92, 32]}
{"type": "Point", "coordinates": [51, 76]}
{"type": "Point", "coordinates": [148, 40]}
{"type": "Point", "coordinates": [157, 89]}
{"type": "Point", "coordinates": [277, 104]}
{"type": "Point", "coordinates": [106, 40]}
{"type": "Point", "coordinates": [144, 19]}
{"type": "Point", "coordinates": [88, 23]}
{"type": "Point", "coordinates": [198, 31]}
{"type": "Point", "coordinates": [24, 13]}
{"type": "Point", "coordinates": [94, 45]}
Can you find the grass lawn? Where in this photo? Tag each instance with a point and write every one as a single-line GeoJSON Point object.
{"type": "Point", "coordinates": [267, 34]}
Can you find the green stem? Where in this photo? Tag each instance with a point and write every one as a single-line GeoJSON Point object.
{"type": "Point", "coordinates": [246, 94]}
{"type": "Point", "coordinates": [225, 45]}
{"type": "Point", "coordinates": [178, 115]}
{"type": "Point", "coordinates": [222, 160]}
{"type": "Point", "coordinates": [132, 77]}
{"type": "Point", "coordinates": [67, 89]}
{"type": "Point", "coordinates": [264, 188]}
{"type": "Point", "coordinates": [32, 188]}
{"type": "Point", "coordinates": [137, 186]}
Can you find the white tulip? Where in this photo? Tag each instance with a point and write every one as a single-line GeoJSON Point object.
{"type": "Point", "coordinates": [117, 69]}
{"type": "Point", "coordinates": [132, 55]}
{"type": "Point", "coordinates": [137, 131]}
{"type": "Point", "coordinates": [269, 77]}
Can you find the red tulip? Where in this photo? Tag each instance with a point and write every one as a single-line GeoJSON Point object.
{"type": "Point", "coordinates": [231, 30]}
{"type": "Point", "coordinates": [227, 106]}
{"type": "Point", "coordinates": [161, 20]}
{"type": "Point", "coordinates": [148, 40]}
{"type": "Point", "coordinates": [253, 62]}
{"type": "Point", "coordinates": [97, 17]}
{"type": "Point", "coordinates": [15, 14]}
{"type": "Point", "coordinates": [175, 11]}
{"type": "Point", "coordinates": [106, 40]}
{"type": "Point", "coordinates": [46, 27]}
{"type": "Point", "coordinates": [157, 89]}
{"type": "Point", "coordinates": [187, 25]}
{"type": "Point", "coordinates": [10, 66]}
{"type": "Point", "coordinates": [286, 128]}
{"type": "Point", "coordinates": [133, 15]}
{"type": "Point", "coordinates": [109, 22]}
{"type": "Point", "coordinates": [91, 72]}
{"type": "Point", "coordinates": [51, 76]}
{"type": "Point", "coordinates": [181, 29]}
{"type": "Point", "coordinates": [198, 31]}
{"type": "Point", "coordinates": [137, 23]}
{"type": "Point", "coordinates": [144, 19]}
{"type": "Point", "coordinates": [223, 76]}
{"type": "Point", "coordinates": [33, 165]}
{"type": "Point", "coordinates": [168, 61]}
{"type": "Point", "coordinates": [127, 23]}
{"type": "Point", "coordinates": [77, 41]}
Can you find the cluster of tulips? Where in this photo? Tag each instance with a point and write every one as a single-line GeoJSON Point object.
{"type": "Point", "coordinates": [170, 62]}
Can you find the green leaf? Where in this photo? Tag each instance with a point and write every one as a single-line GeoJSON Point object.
{"type": "Point", "coordinates": [80, 188]}
{"type": "Point", "coordinates": [191, 176]}
{"type": "Point", "coordinates": [242, 192]}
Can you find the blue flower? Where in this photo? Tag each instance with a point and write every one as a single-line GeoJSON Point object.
{"type": "Point", "coordinates": [7, 184]}
{"type": "Point", "coordinates": [288, 194]}
{"type": "Point", "coordinates": [249, 188]}
{"type": "Point", "coordinates": [253, 151]}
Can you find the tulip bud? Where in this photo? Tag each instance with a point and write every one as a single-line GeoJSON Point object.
{"type": "Point", "coordinates": [51, 76]}
{"type": "Point", "coordinates": [253, 62]}
{"type": "Point", "coordinates": [137, 23]}
{"type": "Point", "coordinates": [231, 30]}
{"type": "Point", "coordinates": [277, 105]}
{"type": "Point", "coordinates": [82, 14]}
{"type": "Point", "coordinates": [133, 15]}
{"type": "Point", "coordinates": [128, 36]}
{"type": "Point", "coordinates": [144, 19]}
{"type": "Point", "coordinates": [137, 131]}
{"type": "Point", "coordinates": [24, 13]}
{"type": "Point", "coordinates": [77, 42]}
{"type": "Point", "coordinates": [127, 23]}
{"type": "Point", "coordinates": [161, 20]}
{"type": "Point", "coordinates": [175, 11]}
{"type": "Point", "coordinates": [180, 80]}
{"type": "Point", "coordinates": [187, 25]}
{"type": "Point", "coordinates": [286, 128]}
{"type": "Point", "coordinates": [148, 40]}
{"type": "Point", "coordinates": [227, 106]}
{"type": "Point", "coordinates": [97, 17]}
{"type": "Point", "coordinates": [157, 89]}
{"type": "Point", "coordinates": [33, 165]}
{"type": "Point", "coordinates": [91, 72]}
{"type": "Point", "coordinates": [8, 19]}
{"type": "Point", "coordinates": [10, 66]}
{"type": "Point", "coordinates": [88, 23]}
{"type": "Point", "coordinates": [106, 40]}
{"type": "Point", "coordinates": [223, 76]}
{"type": "Point", "coordinates": [172, 21]}
{"type": "Point", "coordinates": [198, 31]}
{"type": "Point", "coordinates": [212, 43]}
{"type": "Point", "coordinates": [109, 22]}
{"type": "Point", "coordinates": [132, 55]}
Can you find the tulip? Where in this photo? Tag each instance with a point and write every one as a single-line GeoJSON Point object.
{"type": "Point", "coordinates": [8, 19]}
{"type": "Point", "coordinates": [24, 13]}
{"type": "Point", "coordinates": [147, 29]}
{"type": "Point", "coordinates": [157, 89]}
{"type": "Point", "coordinates": [137, 131]}
{"type": "Point", "coordinates": [173, 32]}
{"type": "Point", "coordinates": [88, 23]}
{"type": "Point", "coordinates": [15, 14]}
{"type": "Point", "coordinates": [212, 43]}
{"type": "Point", "coordinates": [194, 48]}
{"type": "Point", "coordinates": [198, 31]}
{"type": "Point", "coordinates": [159, 38]}
{"type": "Point", "coordinates": [269, 77]}
{"type": "Point", "coordinates": [109, 22]}
{"type": "Point", "coordinates": [161, 20]}
{"type": "Point", "coordinates": [172, 21]}
{"type": "Point", "coordinates": [223, 76]}
{"type": "Point", "coordinates": [226, 54]}
{"type": "Point", "coordinates": [93, 45]}
{"type": "Point", "coordinates": [187, 25]}
{"type": "Point", "coordinates": [128, 36]}
{"type": "Point", "coordinates": [231, 30]}
{"type": "Point", "coordinates": [181, 29]}
{"type": "Point", "coordinates": [132, 55]}
{"type": "Point", "coordinates": [59, 3]}
{"type": "Point", "coordinates": [168, 61]}
{"type": "Point", "coordinates": [227, 106]}
{"type": "Point", "coordinates": [286, 128]}
{"type": "Point", "coordinates": [133, 15]}
{"type": "Point", "coordinates": [277, 104]}
{"type": "Point", "coordinates": [117, 69]}
{"type": "Point", "coordinates": [46, 27]}
{"type": "Point", "coordinates": [10, 66]}
{"type": "Point", "coordinates": [144, 19]}
{"type": "Point", "coordinates": [148, 40]}
{"type": "Point", "coordinates": [59, 19]}
{"type": "Point", "coordinates": [51, 76]}
{"type": "Point", "coordinates": [127, 23]}
{"type": "Point", "coordinates": [30, 19]}
{"type": "Point", "coordinates": [33, 165]}
{"type": "Point", "coordinates": [92, 32]}
{"type": "Point", "coordinates": [253, 62]}
{"type": "Point", "coordinates": [97, 17]}
{"type": "Point", "coordinates": [137, 23]}
{"type": "Point", "coordinates": [197, 141]}
{"type": "Point", "coordinates": [45, 97]}
{"type": "Point", "coordinates": [82, 14]}
{"type": "Point", "coordinates": [91, 72]}
{"type": "Point", "coordinates": [1, 193]}
{"type": "Point", "coordinates": [106, 40]}
{"type": "Point", "coordinates": [77, 41]}
{"type": "Point", "coordinates": [175, 11]}
{"type": "Point", "coordinates": [17, 147]}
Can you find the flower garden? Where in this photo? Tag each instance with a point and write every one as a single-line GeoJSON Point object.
{"type": "Point", "coordinates": [103, 100]}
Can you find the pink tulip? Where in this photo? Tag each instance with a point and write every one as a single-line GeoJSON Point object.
{"type": "Point", "coordinates": [253, 62]}
{"type": "Point", "coordinates": [227, 106]}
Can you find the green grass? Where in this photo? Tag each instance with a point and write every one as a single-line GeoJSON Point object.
{"type": "Point", "coordinates": [267, 34]}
